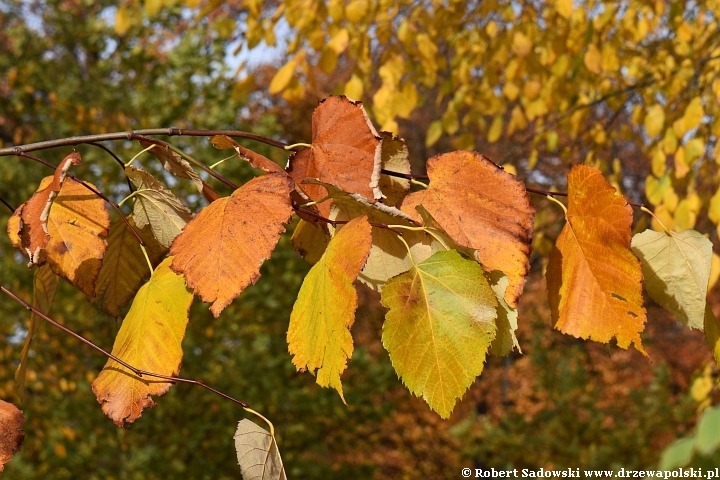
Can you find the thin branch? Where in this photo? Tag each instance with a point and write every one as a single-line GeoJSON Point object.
{"type": "Point", "coordinates": [136, 371]}
{"type": "Point", "coordinates": [4, 202]}
{"type": "Point", "coordinates": [36, 159]}
{"type": "Point", "coordinates": [335, 223]}
{"type": "Point", "coordinates": [117, 159]}
{"type": "Point", "coordinates": [132, 135]}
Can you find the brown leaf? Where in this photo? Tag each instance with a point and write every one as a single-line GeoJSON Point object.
{"type": "Point", "coordinates": [346, 151]}
{"type": "Point", "coordinates": [483, 208]}
{"type": "Point", "coordinates": [395, 159]}
{"type": "Point", "coordinates": [11, 437]}
{"type": "Point", "coordinates": [593, 278]}
{"type": "Point", "coordinates": [221, 250]}
{"type": "Point", "coordinates": [34, 214]}
{"type": "Point", "coordinates": [174, 163]}
{"type": "Point", "coordinates": [223, 142]}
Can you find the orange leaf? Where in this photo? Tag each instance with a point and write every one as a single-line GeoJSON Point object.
{"type": "Point", "coordinates": [480, 207]}
{"type": "Point", "coordinates": [11, 437]}
{"type": "Point", "coordinates": [221, 250]}
{"type": "Point", "coordinates": [346, 151]}
{"type": "Point", "coordinates": [593, 278]}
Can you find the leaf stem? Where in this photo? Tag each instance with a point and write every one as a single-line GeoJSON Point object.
{"type": "Point", "coordinates": [430, 231]}
{"type": "Point", "coordinates": [222, 161]}
{"type": "Point", "coordinates": [138, 154]}
{"type": "Point", "coordinates": [647, 210]}
{"type": "Point", "coordinates": [417, 182]}
{"type": "Point", "coordinates": [136, 371]}
{"type": "Point", "coordinates": [412, 260]}
{"type": "Point", "coordinates": [142, 247]}
{"type": "Point", "coordinates": [310, 204]}
{"type": "Point", "coordinates": [335, 223]}
{"type": "Point", "coordinates": [131, 196]}
{"type": "Point", "coordinates": [272, 427]}
{"type": "Point", "coordinates": [297, 145]}
{"type": "Point", "coordinates": [550, 197]}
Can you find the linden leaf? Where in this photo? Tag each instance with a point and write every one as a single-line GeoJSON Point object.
{"type": "Point", "coordinates": [11, 437]}
{"type": "Point", "coordinates": [507, 318]}
{"type": "Point", "coordinates": [33, 232]}
{"type": "Point", "coordinates": [222, 248]}
{"type": "Point", "coordinates": [156, 206]}
{"type": "Point", "coordinates": [45, 284]}
{"type": "Point", "coordinates": [593, 278]}
{"type": "Point", "coordinates": [309, 241]}
{"type": "Point", "coordinates": [149, 339]}
{"type": "Point", "coordinates": [439, 326]}
{"type": "Point", "coordinates": [319, 334]}
{"type": "Point", "coordinates": [178, 166]}
{"type": "Point", "coordinates": [395, 158]}
{"type": "Point", "coordinates": [483, 208]}
{"type": "Point", "coordinates": [676, 267]}
{"type": "Point", "coordinates": [346, 151]}
{"type": "Point", "coordinates": [388, 256]}
{"type": "Point", "coordinates": [257, 453]}
{"type": "Point", "coordinates": [124, 267]}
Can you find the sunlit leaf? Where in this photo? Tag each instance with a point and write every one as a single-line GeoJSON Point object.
{"type": "Point", "coordinates": [309, 241]}
{"type": "Point", "coordinates": [257, 453]}
{"type": "Point", "coordinates": [395, 159]}
{"type": "Point", "coordinates": [11, 437]}
{"type": "Point", "coordinates": [507, 318]}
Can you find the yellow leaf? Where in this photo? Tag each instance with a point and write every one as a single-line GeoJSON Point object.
{"type": "Point", "coordinates": [659, 162]}
{"type": "Point", "coordinates": [592, 59]}
{"type": "Point", "coordinates": [684, 218]}
{"type": "Point", "coordinates": [670, 199]}
{"type": "Point", "coordinates": [531, 89]}
{"type": "Point", "coordinates": [681, 166]}
{"type": "Point", "coordinates": [664, 215]}
{"type": "Point", "coordinates": [354, 88]}
{"type": "Point", "coordinates": [564, 8]}
{"type": "Point", "coordinates": [319, 333]}
{"type": "Point", "coordinates": [122, 20]}
{"type": "Point", "coordinates": [714, 270]}
{"type": "Point", "coordinates": [693, 114]}
{"type": "Point", "coordinates": [309, 241]}
{"type": "Point", "coordinates": [714, 208]}
{"type": "Point", "coordinates": [521, 44]}
{"type": "Point", "coordinates": [654, 188]}
{"type": "Point", "coordinates": [282, 78]}
{"type": "Point", "coordinates": [495, 129]}
{"type": "Point", "coordinates": [694, 149]}
{"type": "Point", "coordinates": [426, 46]}
{"type": "Point", "coordinates": [654, 120]}
{"type": "Point", "coordinates": [149, 339]}
{"type": "Point", "coordinates": [338, 43]}
{"type": "Point", "coordinates": [433, 134]}
{"type": "Point", "coordinates": [356, 10]}
{"type": "Point", "coordinates": [511, 91]}
{"type": "Point", "coordinates": [670, 141]}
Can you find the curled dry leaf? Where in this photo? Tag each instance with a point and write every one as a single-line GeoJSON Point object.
{"type": "Point", "coordinates": [178, 166]}
{"type": "Point", "coordinates": [346, 151]}
{"type": "Point", "coordinates": [156, 206]}
{"type": "Point", "coordinates": [507, 318]}
{"type": "Point", "coordinates": [221, 250]}
{"type": "Point", "coordinates": [439, 327]}
{"type": "Point", "coordinates": [124, 267]}
{"type": "Point", "coordinates": [319, 333]}
{"type": "Point", "coordinates": [593, 278]}
{"type": "Point", "coordinates": [11, 437]}
{"type": "Point", "coordinates": [483, 208]}
{"type": "Point", "coordinates": [257, 453]}
{"type": "Point", "coordinates": [395, 158]}
{"type": "Point", "coordinates": [223, 142]}
{"type": "Point", "coordinates": [150, 338]}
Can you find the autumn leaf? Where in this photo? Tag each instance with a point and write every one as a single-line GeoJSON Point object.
{"type": "Point", "coordinates": [309, 241]}
{"type": "Point", "coordinates": [507, 318]}
{"type": "Point", "coordinates": [223, 142]}
{"type": "Point", "coordinates": [149, 339]}
{"type": "Point", "coordinates": [319, 334]}
{"type": "Point", "coordinates": [439, 327]}
{"type": "Point", "coordinates": [712, 333]}
{"type": "Point", "coordinates": [395, 158]}
{"type": "Point", "coordinates": [257, 453]}
{"type": "Point", "coordinates": [45, 284]}
{"type": "Point", "coordinates": [33, 232]}
{"type": "Point", "coordinates": [124, 267]}
{"type": "Point", "coordinates": [346, 151]}
{"type": "Point", "coordinates": [221, 250]}
{"type": "Point", "coordinates": [676, 271]}
{"type": "Point", "coordinates": [156, 206]}
{"type": "Point", "coordinates": [483, 208]}
{"type": "Point", "coordinates": [593, 278]}
{"type": "Point", "coordinates": [11, 437]}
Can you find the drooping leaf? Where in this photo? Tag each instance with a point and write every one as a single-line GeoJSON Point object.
{"type": "Point", "coordinates": [34, 234]}
{"type": "Point", "coordinates": [388, 256]}
{"type": "Point", "coordinates": [178, 166]}
{"type": "Point", "coordinates": [44, 286]}
{"type": "Point", "coordinates": [11, 437]}
{"type": "Point", "coordinates": [483, 208]}
{"type": "Point", "coordinates": [346, 151]}
{"type": "Point", "coordinates": [150, 339]}
{"type": "Point", "coordinates": [507, 318]}
{"type": "Point", "coordinates": [676, 271]}
{"type": "Point", "coordinates": [77, 223]}
{"type": "Point", "coordinates": [156, 206]}
{"type": "Point", "coordinates": [395, 158]}
{"type": "Point", "coordinates": [439, 327]}
{"type": "Point", "coordinates": [257, 453]}
{"type": "Point", "coordinates": [593, 278]}
{"type": "Point", "coordinates": [124, 267]}
{"type": "Point", "coordinates": [220, 252]}
{"type": "Point", "coordinates": [223, 142]}
{"type": "Point", "coordinates": [309, 241]}
{"type": "Point", "coordinates": [319, 334]}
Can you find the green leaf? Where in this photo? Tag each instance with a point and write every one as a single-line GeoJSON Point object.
{"type": "Point", "coordinates": [678, 454]}
{"type": "Point", "coordinates": [257, 453]}
{"type": "Point", "coordinates": [319, 333]}
{"type": "Point", "coordinates": [676, 271]}
{"type": "Point", "coordinates": [156, 206]}
{"type": "Point", "coordinates": [507, 318]}
{"type": "Point", "coordinates": [439, 327]}
{"type": "Point", "coordinates": [707, 440]}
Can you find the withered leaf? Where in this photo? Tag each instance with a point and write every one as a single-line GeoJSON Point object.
{"type": "Point", "coordinates": [176, 165]}
{"type": "Point", "coordinates": [11, 437]}
{"type": "Point", "coordinates": [257, 453]}
{"type": "Point", "coordinates": [223, 142]}
{"type": "Point", "coordinates": [395, 158]}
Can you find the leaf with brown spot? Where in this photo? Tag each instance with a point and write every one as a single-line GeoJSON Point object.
{"type": "Point", "coordinates": [150, 339]}
{"type": "Point", "coordinates": [593, 277]}
{"type": "Point", "coordinates": [346, 151]}
{"type": "Point", "coordinates": [395, 158]}
{"type": "Point", "coordinates": [221, 250]}
{"type": "Point", "coordinates": [223, 142]}
{"type": "Point", "coordinates": [77, 223]}
{"type": "Point", "coordinates": [124, 267]}
{"type": "Point", "coordinates": [11, 437]}
{"type": "Point", "coordinates": [34, 213]}
{"type": "Point", "coordinates": [45, 284]}
{"type": "Point", "coordinates": [483, 208]}
{"type": "Point", "coordinates": [156, 206]}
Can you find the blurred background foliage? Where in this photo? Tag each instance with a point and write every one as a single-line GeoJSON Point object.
{"type": "Point", "coordinates": [630, 87]}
